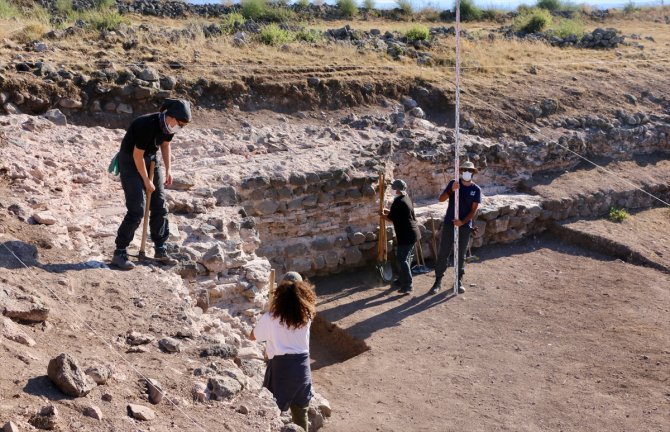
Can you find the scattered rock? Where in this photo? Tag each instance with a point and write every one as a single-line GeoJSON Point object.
{"type": "Point", "coordinates": [99, 374]}
{"type": "Point", "coordinates": [66, 374]}
{"type": "Point", "coordinates": [46, 418]}
{"type": "Point", "coordinates": [12, 331]}
{"type": "Point", "coordinates": [10, 426]}
{"type": "Point", "coordinates": [142, 413]}
{"type": "Point", "coordinates": [135, 338]}
{"type": "Point", "coordinates": [70, 103]}
{"type": "Point", "coordinates": [31, 312]}
{"type": "Point", "coordinates": [169, 345]}
{"type": "Point", "coordinates": [56, 117]}
{"type": "Point", "coordinates": [223, 387]}
{"type": "Point", "coordinates": [149, 74]}
{"type": "Point", "coordinates": [154, 390]}
{"type": "Point", "coordinates": [214, 259]}
{"type": "Point", "coordinates": [417, 112]}
{"type": "Point", "coordinates": [93, 412]}
{"type": "Point", "coordinates": [45, 218]}
{"type": "Point", "coordinates": [220, 350]}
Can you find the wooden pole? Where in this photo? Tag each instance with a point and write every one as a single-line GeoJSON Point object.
{"type": "Point", "coordinates": [147, 208]}
{"type": "Point", "coordinates": [271, 288]}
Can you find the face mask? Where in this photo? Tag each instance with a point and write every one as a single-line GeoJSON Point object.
{"type": "Point", "coordinates": [174, 129]}
{"type": "Point", "coordinates": [467, 175]}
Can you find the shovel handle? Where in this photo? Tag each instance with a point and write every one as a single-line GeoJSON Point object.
{"type": "Point", "coordinates": [147, 207]}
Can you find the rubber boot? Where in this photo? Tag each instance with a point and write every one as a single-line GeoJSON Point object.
{"type": "Point", "coordinates": [299, 416]}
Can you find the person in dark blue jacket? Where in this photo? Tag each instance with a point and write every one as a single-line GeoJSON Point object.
{"type": "Point", "coordinates": [469, 198]}
{"type": "Point", "coordinates": [145, 136]}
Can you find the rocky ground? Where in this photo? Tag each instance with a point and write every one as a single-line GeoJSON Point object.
{"type": "Point", "coordinates": [279, 169]}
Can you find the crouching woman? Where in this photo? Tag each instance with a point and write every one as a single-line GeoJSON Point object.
{"type": "Point", "coordinates": [285, 328]}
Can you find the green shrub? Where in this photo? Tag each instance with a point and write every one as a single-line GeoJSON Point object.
{"type": "Point", "coordinates": [272, 34]}
{"type": "Point", "coordinates": [311, 35]}
{"type": "Point", "coordinates": [550, 5]}
{"type": "Point", "coordinates": [629, 8]}
{"type": "Point", "coordinates": [303, 4]}
{"type": "Point", "coordinates": [369, 4]}
{"type": "Point", "coordinates": [278, 15]}
{"type": "Point", "coordinates": [429, 14]}
{"type": "Point", "coordinates": [8, 10]}
{"type": "Point", "coordinates": [347, 8]}
{"type": "Point", "coordinates": [405, 6]}
{"type": "Point", "coordinates": [523, 8]}
{"type": "Point", "coordinates": [568, 27]}
{"type": "Point", "coordinates": [37, 13]}
{"type": "Point", "coordinates": [469, 12]}
{"type": "Point", "coordinates": [104, 4]}
{"type": "Point", "coordinates": [533, 21]}
{"type": "Point", "coordinates": [418, 32]}
{"type": "Point", "coordinates": [104, 19]}
{"type": "Point", "coordinates": [231, 22]}
{"type": "Point", "coordinates": [253, 9]}
{"type": "Point", "coordinates": [64, 6]}
{"type": "Point", "coordinates": [618, 215]}
{"type": "Point", "coordinates": [493, 14]}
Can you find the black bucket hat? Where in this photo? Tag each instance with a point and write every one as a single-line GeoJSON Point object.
{"type": "Point", "coordinates": [179, 109]}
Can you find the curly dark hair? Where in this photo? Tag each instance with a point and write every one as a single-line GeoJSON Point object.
{"type": "Point", "coordinates": [294, 303]}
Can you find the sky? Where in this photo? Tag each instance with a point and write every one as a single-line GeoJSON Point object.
{"type": "Point", "coordinates": [487, 4]}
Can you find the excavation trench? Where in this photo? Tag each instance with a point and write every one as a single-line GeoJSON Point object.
{"type": "Point", "coordinates": [330, 344]}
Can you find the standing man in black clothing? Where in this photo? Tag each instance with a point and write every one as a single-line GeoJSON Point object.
{"type": "Point", "coordinates": [144, 137]}
{"type": "Point", "coordinates": [469, 198]}
{"type": "Point", "coordinates": [406, 232]}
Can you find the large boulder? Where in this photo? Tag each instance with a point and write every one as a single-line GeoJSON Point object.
{"type": "Point", "coordinates": [68, 376]}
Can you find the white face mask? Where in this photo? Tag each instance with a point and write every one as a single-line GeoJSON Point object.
{"type": "Point", "coordinates": [467, 175]}
{"type": "Point", "coordinates": [174, 129]}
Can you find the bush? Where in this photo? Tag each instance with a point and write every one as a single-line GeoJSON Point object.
{"type": "Point", "coordinates": [64, 6]}
{"type": "Point", "coordinates": [231, 22]}
{"type": "Point", "coordinates": [311, 36]}
{"type": "Point", "coordinates": [493, 14]}
{"type": "Point", "coordinates": [31, 32]}
{"type": "Point", "coordinates": [369, 4]}
{"type": "Point", "coordinates": [272, 34]}
{"type": "Point", "coordinates": [618, 215]}
{"type": "Point", "coordinates": [429, 14]}
{"type": "Point", "coordinates": [105, 19]}
{"type": "Point", "coordinates": [253, 9]}
{"type": "Point", "coordinates": [418, 32]}
{"type": "Point", "coordinates": [405, 6]}
{"type": "Point", "coordinates": [104, 4]}
{"type": "Point", "coordinates": [303, 4]}
{"type": "Point", "coordinates": [347, 8]}
{"type": "Point", "coordinates": [469, 12]}
{"type": "Point", "coordinates": [533, 21]}
{"type": "Point", "coordinates": [629, 8]}
{"type": "Point", "coordinates": [8, 10]}
{"type": "Point", "coordinates": [550, 5]}
{"type": "Point", "coordinates": [569, 27]}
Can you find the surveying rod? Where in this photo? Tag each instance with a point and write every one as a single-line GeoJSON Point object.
{"type": "Point", "coordinates": [457, 146]}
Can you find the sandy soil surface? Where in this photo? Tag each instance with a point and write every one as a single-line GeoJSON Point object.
{"type": "Point", "coordinates": [547, 337]}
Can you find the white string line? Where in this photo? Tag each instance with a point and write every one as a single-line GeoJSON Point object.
{"type": "Point", "coordinates": [109, 345]}
{"type": "Point", "coordinates": [630, 183]}
{"type": "Point", "coordinates": [457, 145]}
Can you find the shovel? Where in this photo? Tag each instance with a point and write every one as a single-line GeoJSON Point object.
{"type": "Point", "coordinates": [383, 266]}
{"type": "Point", "coordinates": [147, 206]}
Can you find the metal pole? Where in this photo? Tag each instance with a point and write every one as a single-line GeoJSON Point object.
{"type": "Point", "coordinates": [457, 147]}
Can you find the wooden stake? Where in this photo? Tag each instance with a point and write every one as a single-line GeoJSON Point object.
{"type": "Point", "coordinates": [271, 288]}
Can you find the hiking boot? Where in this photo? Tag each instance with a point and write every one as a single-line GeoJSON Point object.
{"type": "Point", "coordinates": [461, 290]}
{"type": "Point", "coordinates": [162, 256]}
{"type": "Point", "coordinates": [120, 260]}
{"type": "Point", "coordinates": [437, 286]}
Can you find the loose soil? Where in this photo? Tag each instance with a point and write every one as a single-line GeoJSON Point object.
{"type": "Point", "coordinates": [548, 336]}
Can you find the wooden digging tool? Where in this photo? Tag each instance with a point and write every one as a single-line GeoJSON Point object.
{"type": "Point", "coordinates": [271, 289]}
{"type": "Point", "coordinates": [147, 208]}
{"type": "Point", "coordinates": [383, 266]}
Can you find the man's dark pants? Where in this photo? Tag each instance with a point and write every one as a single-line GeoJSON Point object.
{"type": "Point", "coordinates": [404, 258]}
{"type": "Point", "coordinates": [133, 189]}
{"type": "Point", "coordinates": [446, 249]}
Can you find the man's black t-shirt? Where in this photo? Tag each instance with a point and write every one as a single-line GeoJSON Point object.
{"type": "Point", "coordinates": [466, 197]}
{"type": "Point", "coordinates": [146, 134]}
{"type": "Point", "coordinates": [404, 221]}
